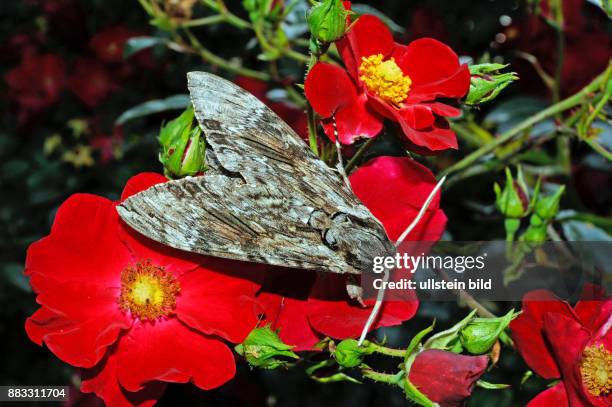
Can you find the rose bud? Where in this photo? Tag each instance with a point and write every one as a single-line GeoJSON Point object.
{"type": "Point", "coordinates": [487, 82]}
{"type": "Point", "coordinates": [182, 147]}
{"type": "Point", "coordinates": [327, 20]}
{"type": "Point", "coordinates": [513, 200]}
{"type": "Point", "coordinates": [480, 334]}
{"type": "Point", "coordinates": [262, 347]}
{"type": "Point", "coordinates": [547, 207]}
{"type": "Point", "coordinates": [349, 354]}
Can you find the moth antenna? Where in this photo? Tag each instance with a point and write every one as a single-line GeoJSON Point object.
{"type": "Point", "coordinates": [340, 165]}
{"type": "Point", "coordinates": [381, 291]}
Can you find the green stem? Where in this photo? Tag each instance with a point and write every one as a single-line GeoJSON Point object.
{"type": "Point", "coordinates": [198, 22]}
{"type": "Point", "coordinates": [383, 350]}
{"type": "Point", "coordinates": [563, 142]}
{"type": "Point", "coordinates": [371, 374]}
{"type": "Point", "coordinates": [220, 7]}
{"type": "Point", "coordinates": [353, 161]}
{"type": "Point", "coordinates": [312, 122]}
{"type": "Point", "coordinates": [216, 60]}
{"type": "Point", "coordinates": [552, 110]}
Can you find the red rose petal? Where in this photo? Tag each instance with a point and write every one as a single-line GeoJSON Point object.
{"type": "Point", "coordinates": [289, 316]}
{"type": "Point", "coordinates": [568, 338]}
{"type": "Point", "coordinates": [102, 380]}
{"type": "Point", "coordinates": [217, 299]}
{"type": "Point", "coordinates": [434, 70]}
{"type": "Point", "coordinates": [594, 307]}
{"type": "Point", "coordinates": [354, 121]}
{"type": "Point", "coordinates": [169, 351]}
{"type": "Point", "coordinates": [417, 116]}
{"type": "Point", "coordinates": [327, 88]}
{"type": "Point", "coordinates": [140, 182]}
{"type": "Point", "coordinates": [527, 331]}
{"type": "Point", "coordinates": [284, 301]}
{"type": "Point", "coordinates": [83, 244]}
{"type": "Point", "coordinates": [446, 377]}
{"type": "Point", "coordinates": [90, 319]}
{"type": "Point", "coordinates": [370, 36]}
{"type": "Point", "coordinates": [554, 396]}
{"type": "Point", "coordinates": [43, 322]}
{"type": "Point", "coordinates": [331, 312]}
{"type": "Point", "coordinates": [394, 189]}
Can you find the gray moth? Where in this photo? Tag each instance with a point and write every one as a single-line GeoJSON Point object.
{"type": "Point", "coordinates": [266, 197]}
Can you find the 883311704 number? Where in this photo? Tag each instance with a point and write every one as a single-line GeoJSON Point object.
{"type": "Point", "coordinates": [34, 393]}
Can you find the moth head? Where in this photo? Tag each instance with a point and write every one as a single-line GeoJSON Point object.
{"type": "Point", "coordinates": [359, 239]}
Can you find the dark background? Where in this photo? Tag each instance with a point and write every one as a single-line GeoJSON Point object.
{"type": "Point", "coordinates": [35, 178]}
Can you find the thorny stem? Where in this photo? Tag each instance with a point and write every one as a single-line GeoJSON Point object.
{"type": "Point", "coordinates": [382, 377]}
{"type": "Point", "coordinates": [383, 350]}
{"type": "Point", "coordinates": [552, 110]}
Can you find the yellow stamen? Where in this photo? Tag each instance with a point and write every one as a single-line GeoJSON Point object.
{"type": "Point", "coordinates": [596, 370]}
{"type": "Point", "coordinates": [385, 78]}
{"type": "Point", "coordinates": [148, 292]}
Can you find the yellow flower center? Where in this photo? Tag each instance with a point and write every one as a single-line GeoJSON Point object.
{"type": "Point", "coordinates": [148, 292]}
{"type": "Point", "coordinates": [384, 78]}
{"type": "Point", "coordinates": [596, 370]}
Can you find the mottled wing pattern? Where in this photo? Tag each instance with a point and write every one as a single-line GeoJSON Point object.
{"type": "Point", "coordinates": [265, 199]}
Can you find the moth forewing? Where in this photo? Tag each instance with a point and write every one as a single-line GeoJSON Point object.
{"type": "Point", "coordinates": [267, 197]}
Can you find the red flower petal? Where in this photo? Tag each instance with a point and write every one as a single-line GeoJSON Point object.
{"type": "Point", "coordinates": [442, 109]}
{"type": "Point", "coordinates": [368, 36]}
{"type": "Point", "coordinates": [594, 307]}
{"type": "Point", "coordinates": [218, 298]}
{"type": "Point", "coordinates": [140, 182]}
{"type": "Point", "coordinates": [527, 331]}
{"type": "Point", "coordinates": [83, 244]}
{"type": "Point", "coordinates": [437, 136]}
{"type": "Point", "coordinates": [43, 322]}
{"type": "Point", "coordinates": [90, 320]}
{"type": "Point", "coordinates": [417, 116]}
{"type": "Point", "coordinates": [284, 299]}
{"type": "Point", "coordinates": [554, 396]}
{"type": "Point", "coordinates": [568, 338]}
{"type": "Point", "coordinates": [169, 351]}
{"type": "Point", "coordinates": [331, 312]}
{"type": "Point", "coordinates": [354, 121]}
{"type": "Point", "coordinates": [434, 70]}
{"type": "Point", "coordinates": [102, 380]}
{"type": "Point", "coordinates": [288, 315]}
{"type": "Point", "coordinates": [327, 88]}
{"type": "Point", "coordinates": [394, 189]}
{"type": "Point", "coordinates": [446, 377]}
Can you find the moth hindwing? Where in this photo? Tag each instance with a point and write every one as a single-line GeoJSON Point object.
{"type": "Point", "coordinates": [266, 197]}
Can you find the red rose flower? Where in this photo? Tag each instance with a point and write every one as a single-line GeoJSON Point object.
{"type": "Point", "coordinates": [384, 79]}
{"type": "Point", "coordinates": [131, 312]}
{"type": "Point", "coordinates": [91, 82]}
{"type": "Point", "coordinates": [37, 82]}
{"type": "Point", "coordinates": [571, 344]}
{"type": "Point", "coordinates": [108, 44]}
{"type": "Point", "coordinates": [306, 305]}
{"type": "Point", "coordinates": [446, 378]}
{"type": "Point", "coordinates": [294, 116]}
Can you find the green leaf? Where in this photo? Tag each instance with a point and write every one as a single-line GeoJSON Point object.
{"type": "Point", "coordinates": [575, 230]}
{"type": "Point", "coordinates": [137, 44]}
{"type": "Point", "coordinates": [413, 394]}
{"type": "Point", "coordinates": [491, 386]}
{"type": "Point", "coordinates": [174, 102]}
{"type": "Point", "coordinates": [588, 218]}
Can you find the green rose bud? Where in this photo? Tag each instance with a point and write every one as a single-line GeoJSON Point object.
{"type": "Point", "coordinates": [182, 147]}
{"type": "Point", "coordinates": [480, 334]}
{"type": "Point", "coordinates": [513, 200]}
{"type": "Point", "coordinates": [547, 207]}
{"type": "Point", "coordinates": [349, 354]}
{"type": "Point", "coordinates": [327, 20]}
{"type": "Point", "coordinates": [487, 82]}
{"type": "Point", "coordinates": [263, 348]}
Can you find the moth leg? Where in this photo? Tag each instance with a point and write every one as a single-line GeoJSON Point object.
{"type": "Point", "coordinates": [354, 289]}
{"type": "Point", "coordinates": [340, 165]}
